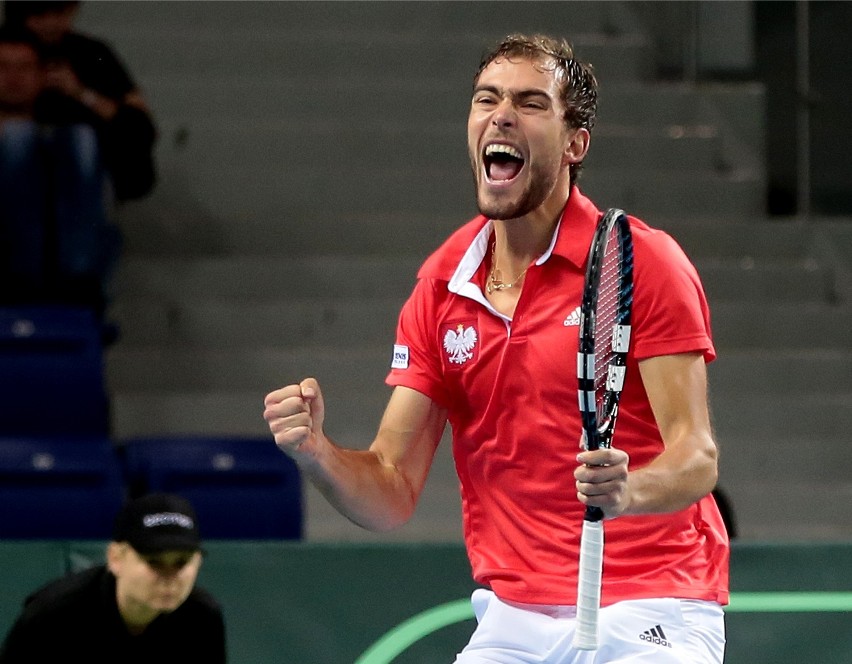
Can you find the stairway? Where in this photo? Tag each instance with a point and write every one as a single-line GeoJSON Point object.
{"type": "Point", "coordinates": [313, 153]}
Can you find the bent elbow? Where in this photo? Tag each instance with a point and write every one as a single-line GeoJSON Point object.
{"type": "Point", "coordinates": [388, 521]}
{"type": "Point", "coordinates": [709, 468]}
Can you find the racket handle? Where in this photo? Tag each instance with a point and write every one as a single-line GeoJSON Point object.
{"type": "Point", "coordinates": [589, 585]}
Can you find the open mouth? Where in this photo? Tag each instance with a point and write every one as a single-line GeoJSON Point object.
{"type": "Point", "coordinates": [502, 162]}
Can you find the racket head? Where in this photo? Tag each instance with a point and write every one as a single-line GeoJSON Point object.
{"type": "Point", "coordinates": [604, 331]}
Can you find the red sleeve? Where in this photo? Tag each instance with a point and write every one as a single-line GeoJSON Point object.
{"type": "Point", "coordinates": [416, 362]}
{"type": "Point", "coordinates": [670, 311]}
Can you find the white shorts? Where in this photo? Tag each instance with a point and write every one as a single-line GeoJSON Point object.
{"type": "Point", "coordinates": [651, 631]}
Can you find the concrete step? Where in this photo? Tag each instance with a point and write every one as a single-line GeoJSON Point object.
{"type": "Point", "coordinates": [182, 103]}
{"type": "Point", "coordinates": [363, 17]}
{"type": "Point", "coordinates": [225, 323]}
{"type": "Point", "coordinates": [350, 421]}
{"type": "Point", "coordinates": [838, 232]}
{"type": "Point", "coordinates": [785, 458]}
{"type": "Point", "coordinates": [270, 278]}
{"type": "Point", "coordinates": [768, 509]}
{"type": "Point", "coordinates": [181, 100]}
{"type": "Point", "coordinates": [833, 244]}
{"type": "Point", "coordinates": [771, 480]}
{"type": "Point", "coordinates": [775, 283]}
{"type": "Point", "coordinates": [747, 241]}
{"type": "Point", "coordinates": [786, 325]}
{"type": "Point", "coordinates": [176, 227]}
{"type": "Point", "coordinates": [781, 371]}
{"type": "Point", "coordinates": [383, 38]}
{"type": "Point", "coordinates": [823, 416]}
{"type": "Point", "coordinates": [675, 104]}
{"type": "Point", "coordinates": [651, 193]}
{"type": "Point", "coordinates": [199, 368]}
{"type": "Point", "coordinates": [355, 55]}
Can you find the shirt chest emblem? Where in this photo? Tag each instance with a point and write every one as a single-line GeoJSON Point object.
{"type": "Point", "coordinates": [460, 343]}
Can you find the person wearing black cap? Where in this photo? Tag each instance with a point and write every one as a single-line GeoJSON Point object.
{"type": "Point", "coordinates": [143, 605]}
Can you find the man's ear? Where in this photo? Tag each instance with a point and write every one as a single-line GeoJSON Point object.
{"type": "Point", "coordinates": [577, 147]}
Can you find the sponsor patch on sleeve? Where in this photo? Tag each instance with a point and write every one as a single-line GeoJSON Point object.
{"type": "Point", "coordinates": [400, 357]}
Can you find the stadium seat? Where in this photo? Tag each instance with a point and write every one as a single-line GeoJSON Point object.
{"type": "Point", "coordinates": [59, 488]}
{"type": "Point", "coordinates": [241, 488]}
{"type": "Point", "coordinates": [51, 364]}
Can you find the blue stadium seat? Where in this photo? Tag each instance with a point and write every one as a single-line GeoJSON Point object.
{"type": "Point", "coordinates": [241, 488]}
{"type": "Point", "coordinates": [52, 369]}
{"type": "Point", "coordinates": [59, 488]}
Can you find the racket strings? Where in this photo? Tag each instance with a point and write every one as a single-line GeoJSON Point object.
{"type": "Point", "coordinates": [606, 314]}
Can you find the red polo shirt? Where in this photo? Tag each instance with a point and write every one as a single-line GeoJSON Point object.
{"type": "Point", "coordinates": [510, 387]}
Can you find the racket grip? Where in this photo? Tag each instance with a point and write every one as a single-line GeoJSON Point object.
{"type": "Point", "coordinates": [589, 585]}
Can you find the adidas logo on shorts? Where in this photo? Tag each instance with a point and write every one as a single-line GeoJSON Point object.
{"type": "Point", "coordinates": [656, 636]}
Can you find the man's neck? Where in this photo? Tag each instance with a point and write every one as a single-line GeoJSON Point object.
{"type": "Point", "coordinates": [529, 236]}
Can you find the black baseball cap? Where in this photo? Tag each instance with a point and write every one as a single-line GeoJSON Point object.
{"type": "Point", "coordinates": [158, 522]}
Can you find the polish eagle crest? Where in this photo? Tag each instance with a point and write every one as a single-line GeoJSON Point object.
{"type": "Point", "coordinates": [459, 343]}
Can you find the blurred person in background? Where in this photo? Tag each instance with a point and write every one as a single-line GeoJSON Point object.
{"type": "Point", "coordinates": [57, 245]}
{"type": "Point", "coordinates": [88, 146]}
{"type": "Point", "coordinates": [142, 606]}
{"type": "Point", "coordinates": [86, 82]}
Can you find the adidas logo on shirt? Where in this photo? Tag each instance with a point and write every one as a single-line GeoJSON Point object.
{"type": "Point", "coordinates": [656, 636]}
{"type": "Point", "coordinates": [573, 318]}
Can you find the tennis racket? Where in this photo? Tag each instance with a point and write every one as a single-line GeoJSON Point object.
{"type": "Point", "coordinates": [601, 365]}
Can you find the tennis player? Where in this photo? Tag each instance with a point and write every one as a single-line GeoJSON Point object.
{"type": "Point", "coordinates": [488, 342]}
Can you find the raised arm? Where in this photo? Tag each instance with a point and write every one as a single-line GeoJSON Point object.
{"type": "Point", "coordinates": [376, 488]}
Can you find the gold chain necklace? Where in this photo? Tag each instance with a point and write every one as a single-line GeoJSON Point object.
{"type": "Point", "coordinates": [495, 278]}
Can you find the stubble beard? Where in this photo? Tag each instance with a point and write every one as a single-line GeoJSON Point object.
{"type": "Point", "coordinates": [541, 183]}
